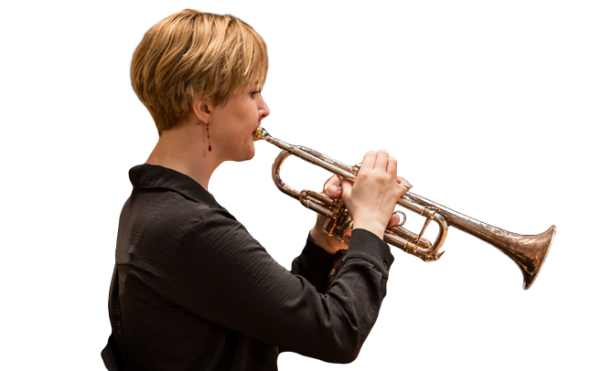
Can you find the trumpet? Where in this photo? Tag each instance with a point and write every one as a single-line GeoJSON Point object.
{"type": "Point", "coordinates": [527, 251]}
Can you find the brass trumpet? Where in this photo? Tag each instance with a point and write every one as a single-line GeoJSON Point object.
{"type": "Point", "coordinates": [527, 251]}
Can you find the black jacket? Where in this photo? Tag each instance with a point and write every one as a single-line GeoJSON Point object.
{"type": "Point", "coordinates": [192, 290]}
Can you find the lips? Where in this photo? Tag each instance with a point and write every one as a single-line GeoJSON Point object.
{"type": "Point", "coordinates": [253, 134]}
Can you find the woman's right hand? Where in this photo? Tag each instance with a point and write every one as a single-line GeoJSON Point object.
{"type": "Point", "coordinates": [371, 199]}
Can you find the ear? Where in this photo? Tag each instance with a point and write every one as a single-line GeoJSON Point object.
{"type": "Point", "coordinates": [202, 109]}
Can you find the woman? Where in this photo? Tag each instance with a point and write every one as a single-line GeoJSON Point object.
{"type": "Point", "coordinates": [191, 289]}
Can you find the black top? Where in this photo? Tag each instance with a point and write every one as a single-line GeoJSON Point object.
{"type": "Point", "coordinates": [192, 290]}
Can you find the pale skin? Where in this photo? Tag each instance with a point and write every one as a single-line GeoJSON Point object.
{"type": "Point", "coordinates": [332, 244]}
{"type": "Point", "coordinates": [184, 148]}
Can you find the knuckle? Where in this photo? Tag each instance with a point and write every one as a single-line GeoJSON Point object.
{"type": "Point", "coordinates": [380, 178]}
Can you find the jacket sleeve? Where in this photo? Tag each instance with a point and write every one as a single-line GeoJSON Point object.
{"type": "Point", "coordinates": [225, 276]}
{"type": "Point", "coordinates": [317, 265]}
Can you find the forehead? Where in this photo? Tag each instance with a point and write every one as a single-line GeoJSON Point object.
{"type": "Point", "coordinates": [259, 78]}
{"type": "Point", "coordinates": [265, 78]}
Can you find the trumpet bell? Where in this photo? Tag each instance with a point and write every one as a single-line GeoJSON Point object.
{"type": "Point", "coordinates": [527, 251]}
{"type": "Point", "coordinates": [529, 254]}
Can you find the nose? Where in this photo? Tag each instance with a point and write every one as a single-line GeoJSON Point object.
{"type": "Point", "coordinates": [264, 111]}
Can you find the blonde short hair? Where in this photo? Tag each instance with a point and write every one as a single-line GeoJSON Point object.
{"type": "Point", "coordinates": [192, 54]}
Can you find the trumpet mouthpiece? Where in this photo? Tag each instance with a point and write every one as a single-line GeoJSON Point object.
{"type": "Point", "coordinates": [258, 133]}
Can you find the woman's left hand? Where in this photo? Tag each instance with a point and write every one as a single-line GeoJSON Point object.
{"type": "Point", "coordinates": [332, 244]}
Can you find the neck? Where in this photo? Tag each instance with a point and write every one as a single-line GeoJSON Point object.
{"type": "Point", "coordinates": [185, 149]}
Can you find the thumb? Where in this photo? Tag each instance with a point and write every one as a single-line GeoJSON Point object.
{"type": "Point", "coordinates": [403, 186]}
{"type": "Point", "coordinates": [401, 180]}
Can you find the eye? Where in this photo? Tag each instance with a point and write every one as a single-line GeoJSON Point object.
{"type": "Point", "coordinates": [254, 92]}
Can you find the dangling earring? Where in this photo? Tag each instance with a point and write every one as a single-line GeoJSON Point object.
{"type": "Point", "coordinates": [208, 135]}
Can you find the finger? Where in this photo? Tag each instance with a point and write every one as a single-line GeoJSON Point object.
{"type": "Point", "coordinates": [346, 240]}
{"type": "Point", "coordinates": [382, 158]}
{"type": "Point", "coordinates": [403, 181]}
{"type": "Point", "coordinates": [331, 185]}
{"type": "Point", "coordinates": [333, 181]}
{"type": "Point", "coordinates": [395, 220]}
{"type": "Point", "coordinates": [347, 235]}
{"type": "Point", "coordinates": [392, 166]}
{"type": "Point", "coordinates": [347, 187]}
{"type": "Point", "coordinates": [369, 160]}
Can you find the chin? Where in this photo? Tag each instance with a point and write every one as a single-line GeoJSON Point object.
{"type": "Point", "coordinates": [248, 155]}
